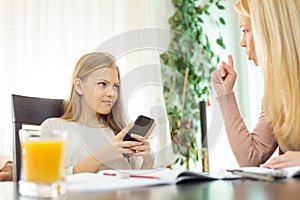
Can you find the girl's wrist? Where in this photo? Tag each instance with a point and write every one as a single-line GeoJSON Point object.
{"type": "Point", "coordinates": [148, 160]}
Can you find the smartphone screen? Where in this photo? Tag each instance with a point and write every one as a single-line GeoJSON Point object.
{"type": "Point", "coordinates": [141, 126]}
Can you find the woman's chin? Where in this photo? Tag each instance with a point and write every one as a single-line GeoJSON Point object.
{"type": "Point", "coordinates": [253, 60]}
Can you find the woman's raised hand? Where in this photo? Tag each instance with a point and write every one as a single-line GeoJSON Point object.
{"type": "Point", "coordinates": [223, 79]}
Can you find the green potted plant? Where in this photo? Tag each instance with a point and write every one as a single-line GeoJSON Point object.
{"type": "Point", "coordinates": [191, 56]}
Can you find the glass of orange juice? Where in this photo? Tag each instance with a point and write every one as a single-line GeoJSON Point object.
{"type": "Point", "coordinates": [42, 173]}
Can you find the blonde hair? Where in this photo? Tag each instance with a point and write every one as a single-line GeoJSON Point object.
{"type": "Point", "coordinates": [242, 7]}
{"type": "Point", "coordinates": [86, 65]}
{"type": "Point", "coordinates": [276, 28]}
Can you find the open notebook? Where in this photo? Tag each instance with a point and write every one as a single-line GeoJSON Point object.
{"type": "Point", "coordinates": [108, 180]}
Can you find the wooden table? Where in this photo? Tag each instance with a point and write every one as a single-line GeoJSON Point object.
{"type": "Point", "coordinates": [243, 189]}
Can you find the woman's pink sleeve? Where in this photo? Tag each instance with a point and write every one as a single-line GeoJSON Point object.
{"type": "Point", "coordinates": [250, 148]}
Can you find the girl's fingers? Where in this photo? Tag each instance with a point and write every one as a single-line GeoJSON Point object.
{"type": "Point", "coordinates": [141, 149]}
{"type": "Point", "coordinates": [129, 144]}
{"type": "Point", "coordinates": [139, 138]}
{"type": "Point", "coordinates": [124, 131]}
{"type": "Point", "coordinates": [142, 153]}
{"type": "Point", "coordinates": [145, 144]}
{"type": "Point", "coordinates": [127, 151]}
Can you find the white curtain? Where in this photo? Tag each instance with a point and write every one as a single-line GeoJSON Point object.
{"type": "Point", "coordinates": [42, 40]}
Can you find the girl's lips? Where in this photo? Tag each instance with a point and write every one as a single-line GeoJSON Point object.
{"type": "Point", "coordinates": [108, 102]}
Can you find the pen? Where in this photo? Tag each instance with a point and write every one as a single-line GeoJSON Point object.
{"type": "Point", "coordinates": [131, 176]}
{"type": "Point", "coordinates": [270, 176]}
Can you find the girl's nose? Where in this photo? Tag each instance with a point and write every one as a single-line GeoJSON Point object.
{"type": "Point", "coordinates": [110, 91]}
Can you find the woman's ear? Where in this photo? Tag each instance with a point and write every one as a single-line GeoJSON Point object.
{"type": "Point", "coordinates": [78, 86]}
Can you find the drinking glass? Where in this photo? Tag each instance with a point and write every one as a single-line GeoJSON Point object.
{"type": "Point", "coordinates": [42, 171]}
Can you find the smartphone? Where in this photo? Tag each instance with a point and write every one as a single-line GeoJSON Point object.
{"type": "Point", "coordinates": [141, 126]}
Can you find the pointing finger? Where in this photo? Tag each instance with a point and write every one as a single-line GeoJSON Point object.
{"type": "Point", "coordinates": [230, 61]}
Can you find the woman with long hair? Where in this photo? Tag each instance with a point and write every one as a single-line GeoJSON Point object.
{"type": "Point", "coordinates": [270, 35]}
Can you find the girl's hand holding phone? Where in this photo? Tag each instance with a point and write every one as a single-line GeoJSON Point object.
{"type": "Point", "coordinates": [144, 148]}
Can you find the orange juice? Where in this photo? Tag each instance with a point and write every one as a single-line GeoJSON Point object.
{"type": "Point", "coordinates": [43, 160]}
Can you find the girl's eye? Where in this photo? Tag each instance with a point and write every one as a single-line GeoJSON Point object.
{"type": "Point", "coordinates": [102, 84]}
{"type": "Point", "coordinates": [245, 31]}
{"type": "Point", "coordinates": [116, 87]}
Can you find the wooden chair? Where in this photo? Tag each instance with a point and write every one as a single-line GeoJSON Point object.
{"type": "Point", "coordinates": [30, 111]}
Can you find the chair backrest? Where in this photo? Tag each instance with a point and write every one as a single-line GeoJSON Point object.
{"type": "Point", "coordinates": [30, 111]}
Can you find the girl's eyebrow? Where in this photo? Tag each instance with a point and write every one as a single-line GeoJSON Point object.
{"type": "Point", "coordinates": [101, 79]}
{"type": "Point", "coordinates": [107, 81]}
